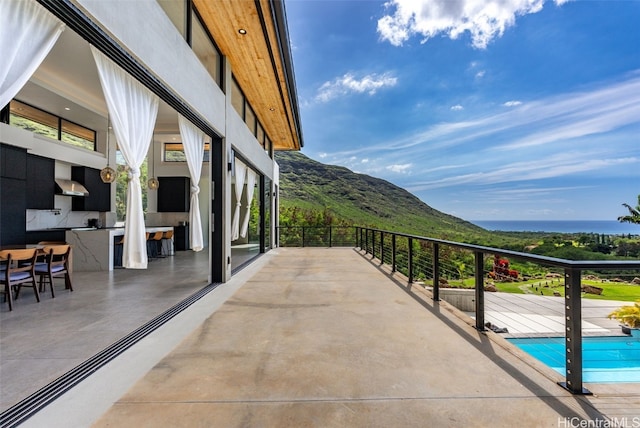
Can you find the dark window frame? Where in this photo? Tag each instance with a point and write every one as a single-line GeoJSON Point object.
{"type": "Point", "coordinates": [59, 125]}
{"type": "Point", "coordinates": [205, 159]}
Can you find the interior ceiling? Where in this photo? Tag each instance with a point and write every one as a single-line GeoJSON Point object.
{"type": "Point", "coordinates": [68, 79]}
{"type": "Point", "coordinates": [263, 82]}
{"type": "Point", "coordinates": [67, 85]}
{"type": "Point", "coordinates": [68, 76]}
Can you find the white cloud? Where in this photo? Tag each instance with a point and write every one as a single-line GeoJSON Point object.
{"type": "Point", "coordinates": [512, 103]}
{"type": "Point", "coordinates": [480, 74]}
{"type": "Point", "coordinates": [554, 166]}
{"type": "Point", "coordinates": [483, 19]}
{"type": "Point", "coordinates": [546, 121]}
{"type": "Point", "coordinates": [403, 169]}
{"type": "Point", "coordinates": [349, 84]}
{"type": "Point", "coordinates": [364, 160]}
{"type": "Point", "coordinates": [457, 107]}
{"type": "Point", "coordinates": [580, 134]}
{"type": "Point", "coordinates": [323, 155]}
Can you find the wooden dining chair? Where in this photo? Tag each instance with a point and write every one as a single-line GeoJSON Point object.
{"type": "Point", "coordinates": [56, 266]}
{"type": "Point", "coordinates": [19, 272]}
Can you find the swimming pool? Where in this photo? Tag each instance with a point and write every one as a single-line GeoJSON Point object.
{"type": "Point", "coordinates": [604, 359]}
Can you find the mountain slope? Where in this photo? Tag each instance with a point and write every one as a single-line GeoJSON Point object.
{"type": "Point", "coordinates": [362, 199]}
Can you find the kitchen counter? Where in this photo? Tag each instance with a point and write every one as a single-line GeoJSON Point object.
{"type": "Point", "coordinates": [93, 249]}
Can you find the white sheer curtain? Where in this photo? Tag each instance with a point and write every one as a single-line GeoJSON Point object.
{"type": "Point", "coordinates": [133, 110]}
{"type": "Point", "coordinates": [251, 182]}
{"type": "Point", "coordinates": [27, 33]}
{"type": "Point", "coordinates": [193, 143]}
{"type": "Point", "coordinates": [241, 171]}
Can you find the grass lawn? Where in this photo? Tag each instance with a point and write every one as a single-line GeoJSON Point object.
{"type": "Point", "coordinates": [610, 290]}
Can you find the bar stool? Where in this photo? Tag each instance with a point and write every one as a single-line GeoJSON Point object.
{"type": "Point", "coordinates": [153, 242]}
{"type": "Point", "coordinates": [167, 240]}
{"type": "Point", "coordinates": [156, 243]}
{"type": "Point", "coordinates": [118, 251]}
{"type": "Point", "coordinates": [150, 253]}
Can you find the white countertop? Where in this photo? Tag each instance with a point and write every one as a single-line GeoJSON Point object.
{"type": "Point", "coordinates": [93, 249]}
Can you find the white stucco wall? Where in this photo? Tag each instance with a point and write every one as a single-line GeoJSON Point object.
{"type": "Point", "coordinates": [245, 144]}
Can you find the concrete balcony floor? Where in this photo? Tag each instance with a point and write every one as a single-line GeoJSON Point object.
{"type": "Point", "coordinates": [325, 337]}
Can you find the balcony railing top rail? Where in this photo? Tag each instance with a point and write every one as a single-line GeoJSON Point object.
{"type": "Point", "coordinates": [549, 261]}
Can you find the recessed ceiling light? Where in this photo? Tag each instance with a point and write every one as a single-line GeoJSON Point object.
{"type": "Point", "coordinates": [272, 109]}
{"type": "Point", "coordinates": [67, 108]}
{"type": "Point", "coordinates": [242, 31]}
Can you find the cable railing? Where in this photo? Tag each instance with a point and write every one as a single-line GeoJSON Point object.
{"type": "Point", "coordinates": [316, 236]}
{"type": "Point", "coordinates": [462, 274]}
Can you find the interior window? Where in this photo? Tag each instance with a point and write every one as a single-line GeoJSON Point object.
{"type": "Point", "coordinates": [174, 152]}
{"type": "Point", "coordinates": [33, 119]}
{"type": "Point", "coordinates": [49, 125]}
{"type": "Point", "coordinates": [77, 135]}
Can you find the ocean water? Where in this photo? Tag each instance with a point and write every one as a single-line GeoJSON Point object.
{"type": "Point", "coordinates": [607, 227]}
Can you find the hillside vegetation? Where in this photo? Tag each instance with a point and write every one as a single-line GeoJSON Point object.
{"type": "Point", "coordinates": [313, 193]}
{"type": "Point", "coordinates": [341, 196]}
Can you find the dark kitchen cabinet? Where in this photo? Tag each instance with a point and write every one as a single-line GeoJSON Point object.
{"type": "Point", "coordinates": [174, 194]}
{"type": "Point", "coordinates": [99, 198]}
{"type": "Point", "coordinates": [13, 188]}
{"type": "Point", "coordinates": [41, 186]}
{"type": "Point", "coordinates": [13, 214]}
{"type": "Point", "coordinates": [13, 162]}
{"type": "Point", "coordinates": [181, 238]}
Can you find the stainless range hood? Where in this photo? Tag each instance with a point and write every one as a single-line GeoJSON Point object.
{"type": "Point", "coordinates": [70, 188]}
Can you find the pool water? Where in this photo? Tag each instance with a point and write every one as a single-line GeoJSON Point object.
{"type": "Point", "coordinates": [604, 359]}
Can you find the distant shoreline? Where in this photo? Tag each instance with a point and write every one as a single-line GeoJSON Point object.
{"type": "Point", "coordinates": [607, 227]}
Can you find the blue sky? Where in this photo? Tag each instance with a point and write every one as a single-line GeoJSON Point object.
{"type": "Point", "coordinates": [484, 109]}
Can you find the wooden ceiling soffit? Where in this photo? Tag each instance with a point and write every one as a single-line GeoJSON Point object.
{"type": "Point", "coordinates": [257, 63]}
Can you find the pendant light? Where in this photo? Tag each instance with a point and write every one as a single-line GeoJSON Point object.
{"type": "Point", "coordinates": [107, 174]}
{"type": "Point", "coordinates": [153, 183]}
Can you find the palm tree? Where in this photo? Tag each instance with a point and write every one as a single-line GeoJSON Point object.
{"type": "Point", "coordinates": [634, 214]}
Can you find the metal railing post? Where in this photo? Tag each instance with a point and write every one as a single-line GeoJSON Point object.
{"type": "Point", "coordinates": [436, 271]}
{"type": "Point", "coordinates": [479, 274]}
{"type": "Point", "coordinates": [393, 252]}
{"type": "Point", "coordinates": [410, 261]}
{"type": "Point", "coordinates": [373, 243]}
{"type": "Point", "coordinates": [573, 334]}
{"type": "Point", "coordinates": [366, 241]}
{"type": "Point", "coordinates": [381, 248]}
{"type": "Point", "coordinates": [330, 237]}
{"type": "Point", "coordinates": [303, 236]}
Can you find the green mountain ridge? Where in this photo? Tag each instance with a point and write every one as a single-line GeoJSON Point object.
{"type": "Point", "coordinates": [360, 199]}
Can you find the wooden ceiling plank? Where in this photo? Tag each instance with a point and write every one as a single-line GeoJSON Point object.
{"type": "Point", "coordinates": [250, 57]}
